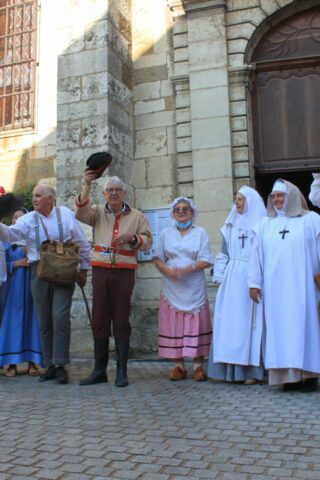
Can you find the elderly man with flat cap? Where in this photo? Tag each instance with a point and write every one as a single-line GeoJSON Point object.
{"type": "Point", "coordinates": [119, 232]}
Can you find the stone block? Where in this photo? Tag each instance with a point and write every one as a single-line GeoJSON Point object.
{"type": "Point", "coordinates": [94, 131]}
{"type": "Point", "coordinates": [213, 192]}
{"type": "Point", "coordinates": [212, 163]}
{"type": "Point", "coordinates": [182, 100]}
{"type": "Point", "coordinates": [239, 139]}
{"type": "Point", "coordinates": [172, 140]}
{"type": "Point", "coordinates": [207, 55]}
{"type": "Point", "coordinates": [242, 30]}
{"type": "Point", "coordinates": [185, 175]}
{"type": "Point", "coordinates": [160, 171]}
{"type": "Point", "coordinates": [83, 63]}
{"type": "Point", "coordinates": [154, 120]}
{"type": "Point", "coordinates": [238, 108]}
{"type": "Point", "coordinates": [212, 222]}
{"type": "Point", "coordinates": [95, 86]}
{"type": "Point", "coordinates": [151, 74]}
{"type": "Point", "coordinates": [68, 135]}
{"type": "Point", "coordinates": [79, 110]}
{"type": "Point", "coordinates": [237, 45]}
{"type": "Point", "coordinates": [269, 6]}
{"type": "Point", "coordinates": [184, 159]}
{"type": "Point", "coordinates": [241, 170]}
{"type": "Point", "coordinates": [139, 175]}
{"type": "Point", "coordinates": [184, 145]}
{"type": "Point", "coordinates": [238, 123]}
{"type": "Point", "coordinates": [181, 69]}
{"type": "Point", "coordinates": [237, 92]}
{"type": "Point", "coordinates": [210, 102]}
{"type": "Point", "coordinates": [152, 142]}
{"type": "Point", "coordinates": [210, 26]}
{"type": "Point", "coordinates": [236, 60]}
{"type": "Point", "coordinates": [253, 15]}
{"type": "Point", "coordinates": [185, 190]}
{"type": "Point", "coordinates": [216, 77]}
{"type": "Point", "coordinates": [240, 182]}
{"type": "Point", "coordinates": [167, 88]}
{"type": "Point", "coordinates": [69, 90]}
{"type": "Point", "coordinates": [240, 153]}
{"type": "Point", "coordinates": [184, 130]}
{"type": "Point", "coordinates": [210, 133]}
{"type": "Point", "coordinates": [154, 197]}
{"type": "Point", "coordinates": [147, 91]}
{"type": "Point", "coordinates": [181, 54]}
{"type": "Point", "coordinates": [244, 4]}
{"type": "Point", "coordinates": [180, 26]}
{"type": "Point", "coordinates": [152, 60]}
{"type": "Point", "coordinates": [147, 270]}
{"type": "Point", "coordinates": [149, 106]}
{"type": "Point", "coordinates": [180, 40]}
{"type": "Point", "coordinates": [183, 115]}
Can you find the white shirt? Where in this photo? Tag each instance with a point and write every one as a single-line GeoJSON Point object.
{"type": "Point", "coordinates": [189, 292]}
{"type": "Point", "coordinates": [25, 229]}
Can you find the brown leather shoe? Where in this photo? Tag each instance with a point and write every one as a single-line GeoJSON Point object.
{"type": "Point", "coordinates": [199, 375]}
{"type": "Point", "coordinates": [178, 374]}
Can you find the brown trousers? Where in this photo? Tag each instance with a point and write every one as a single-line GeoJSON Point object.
{"type": "Point", "coordinates": [112, 290]}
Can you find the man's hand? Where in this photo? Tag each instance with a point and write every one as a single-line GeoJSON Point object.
{"type": "Point", "coordinates": [82, 278]}
{"type": "Point", "coordinates": [255, 294]}
{"type": "Point", "coordinates": [89, 176]}
{"type": "Point", "coordinates": [124, 238]}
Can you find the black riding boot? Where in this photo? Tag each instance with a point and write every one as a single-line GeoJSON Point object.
{"type": "Point", "coordinates": [122, 348]}
{"type": "Point", "coordinates": [101, 357]}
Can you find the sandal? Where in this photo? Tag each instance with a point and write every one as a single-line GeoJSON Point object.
{"type": "Point", "coordinates": [12, 371]}
{"type": "Point", "coordinates": [32, 370]}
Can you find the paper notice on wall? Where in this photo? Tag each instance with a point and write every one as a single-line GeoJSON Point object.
{"type": "Point", "coordinates": [158, 218]}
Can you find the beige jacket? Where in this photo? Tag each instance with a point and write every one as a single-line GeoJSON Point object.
{"type": "Point", "coordinates": [107, 227]}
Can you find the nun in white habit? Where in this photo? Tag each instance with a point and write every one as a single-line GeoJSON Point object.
{"type": "Point", "coordinates": [237, 323]}
{"type": "Point", "coordinates": [285, 260]}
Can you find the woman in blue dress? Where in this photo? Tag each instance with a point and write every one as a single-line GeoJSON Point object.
{"type": "Point", "coordinates": [19, 330]}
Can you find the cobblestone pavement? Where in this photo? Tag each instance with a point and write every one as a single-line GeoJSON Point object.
{"type": "Point", "coordinates": [155, 429]}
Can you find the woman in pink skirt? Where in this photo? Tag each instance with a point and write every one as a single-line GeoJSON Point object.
{"type": "Point", "coordinates": [182, 255]}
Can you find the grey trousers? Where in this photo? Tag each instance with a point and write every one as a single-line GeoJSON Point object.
{"type": "Point", "coordinates": [53, 304]}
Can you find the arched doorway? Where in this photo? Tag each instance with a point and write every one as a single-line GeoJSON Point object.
{"type": "Point", "coordinates": [285, 100]}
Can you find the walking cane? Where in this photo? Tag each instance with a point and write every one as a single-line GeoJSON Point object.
{"type": "Point", "coordinates": [87, 306]}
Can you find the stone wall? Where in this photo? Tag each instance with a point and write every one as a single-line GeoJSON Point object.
{"type": "Point", "coordinates": [95, 109]}
{"type": "Point", "coordinates": [29, 155]}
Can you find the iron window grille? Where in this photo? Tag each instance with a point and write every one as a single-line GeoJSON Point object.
{"type": "Point", "coordinates": [18, 25]}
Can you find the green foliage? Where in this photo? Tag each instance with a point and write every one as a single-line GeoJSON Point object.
{"type": "Point", "coordinates": [25, 193]}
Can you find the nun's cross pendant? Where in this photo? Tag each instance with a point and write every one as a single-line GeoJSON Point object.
{"type": "Point", "coordinates": [243, 238]}
{"type": "Point", "coordinates": [283, 233]}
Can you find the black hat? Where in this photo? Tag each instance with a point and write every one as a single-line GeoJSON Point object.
{"type": "Point", "coordinates": [8, 203]}
{"type": "Point", "coordinates": [99, 162]}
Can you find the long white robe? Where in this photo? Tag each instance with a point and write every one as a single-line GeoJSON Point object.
{"type": "Point", "coordinates": [237, 323]}
{"type": "Point", "coordinates": [284, 269]}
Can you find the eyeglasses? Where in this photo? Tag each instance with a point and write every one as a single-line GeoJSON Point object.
{"type": "Point", "coordinates": [114, 190]}
{"type": "Point", "coordinates": [181, 210]}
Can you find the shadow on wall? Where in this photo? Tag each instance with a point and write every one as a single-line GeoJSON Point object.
{"type": "Point", "coordinates": [95, 110]}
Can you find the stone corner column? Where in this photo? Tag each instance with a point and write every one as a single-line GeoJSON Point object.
{"type": "Point", "coordinates": [210, 116]}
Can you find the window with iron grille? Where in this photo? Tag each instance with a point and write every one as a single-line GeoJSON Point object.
{"type": "Point", "coordinates": [17, 63]}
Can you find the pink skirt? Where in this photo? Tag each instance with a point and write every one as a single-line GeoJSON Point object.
{"type": "Point", "coordinates": [183, 334]}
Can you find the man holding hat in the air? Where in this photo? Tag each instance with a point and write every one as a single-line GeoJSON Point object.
{"type": "Point", "coordinates": [120, 231]}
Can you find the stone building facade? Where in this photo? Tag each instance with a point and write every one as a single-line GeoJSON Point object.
{"type": "Point", "coordinates": [168, 87]}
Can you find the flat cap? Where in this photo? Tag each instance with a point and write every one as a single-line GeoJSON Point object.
{"type": "Point", "coordinates": [99, 162]}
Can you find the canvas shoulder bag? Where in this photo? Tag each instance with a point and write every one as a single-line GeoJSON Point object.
{"type": "Point", "coordinates": [59, 260]}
